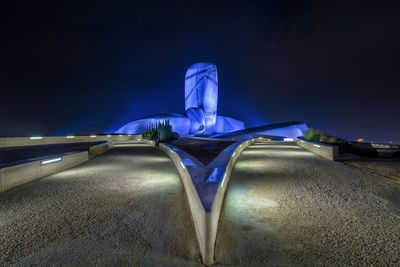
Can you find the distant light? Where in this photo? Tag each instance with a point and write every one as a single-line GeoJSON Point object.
{"type": "Point", "coordinates": [183, 166]}
{"type": "Point", "coordinates": [92, 136]}
{"type": "Point", "coordinates": [70, 136]}
{"type": "Point", "coordinates": [317, 145]}
{"type": "Point", "coordinates": [35, 137]}
{"type": "Point", "coordinates": [360, 140]}
{"type": "Point", "coordinates": [302, 141]}
{"type": "Point", "coordinates": [287, 139]}
{"type": "Point", "coordinates": [51, 160]}
{"type": "Point", "coordinates": [223, 180]}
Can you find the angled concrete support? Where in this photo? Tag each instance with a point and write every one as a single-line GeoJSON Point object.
{"type": "Point", "coordinates": [205, 222]}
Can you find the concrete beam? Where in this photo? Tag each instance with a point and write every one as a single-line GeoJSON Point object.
{"type": "Point", "coordinates": [23, 173]}
{"type": "Point", "coordinates": [49, 140]}
{"type": "Point", "coordinates": [206, 223]}
{"type": "Point", "coordinates": [326, 151]}
{"type": "Point", "coordinates": [100, 148]}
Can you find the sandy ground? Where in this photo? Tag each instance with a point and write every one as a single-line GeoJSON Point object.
{"type": "Point", "coordinates": [389, 169]}
{"type": "Point", "coordinates": [127, 207]}
{"type": "Point", "coordinates": [287, 206]}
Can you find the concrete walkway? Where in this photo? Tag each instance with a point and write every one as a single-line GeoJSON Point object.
{"type": "Point", "coordinates": [126, 207]}
{"type": "Point", "coordinates": [285, 205]}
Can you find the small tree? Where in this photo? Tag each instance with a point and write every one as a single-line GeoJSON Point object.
{"type": "Point", "coordinates": [161, 131]}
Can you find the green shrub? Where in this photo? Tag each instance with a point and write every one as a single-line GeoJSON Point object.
{"type": "Point", "coordinates": [312, 135]}
{"type": "Point", "coordinates": [344, 146]}
{"type": "Point", "coordinates": [320, 136]}
{"type": "Point", "coordinates": [161, 131]}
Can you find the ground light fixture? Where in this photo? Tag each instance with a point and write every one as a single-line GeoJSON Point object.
{"type": "Point", "coordinates": [48, 161]}
{"type": "Point", "coordinates": [223, 180]}
{"type": "Point", "coordinates": [35, 137]}
{"type": "Point", "coordinates": [287, 139]}
{"type": "Point", "coordinates": [92, 136]}
{"type": "Point", "coordinates": [183, 166]}
{"type": "Point", "coordinates": [70, 136]}
{"type": "Point", "coordinates": [317, 145]}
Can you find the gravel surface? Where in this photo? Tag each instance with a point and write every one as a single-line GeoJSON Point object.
{"type": "Point", "coordinates": [126, 207]}
{"type": "Point", "coordinates": [287, 206]}
{"type": "Point", "coordinates": [389, 169]}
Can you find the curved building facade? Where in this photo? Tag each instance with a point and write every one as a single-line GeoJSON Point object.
{"type": "Point", "coordinates": [201, 98]}
{"type": "Point", "coordinates": [201, 106]}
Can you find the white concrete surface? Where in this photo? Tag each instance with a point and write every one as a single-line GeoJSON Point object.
{"type": "Point", "coordinates": [23, 173]}
{"type": "Point", "coordinates": [100, 148]}
{"type": "Point", "coordinates": [48, 140]}
{"type": "Point", "coordinates": [330, 152]}
{"type": "Point", "coordinates": [206, 223]}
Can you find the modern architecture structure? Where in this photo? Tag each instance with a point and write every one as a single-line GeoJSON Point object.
{"type": "Point", "coordinates": [201, 118]}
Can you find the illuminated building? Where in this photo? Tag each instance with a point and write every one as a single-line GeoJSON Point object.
{"type": "Point", "coordinates": [201, 119]}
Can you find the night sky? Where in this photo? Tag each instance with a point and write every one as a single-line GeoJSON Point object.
{"type": "Point", "coordinates": [91, 67]}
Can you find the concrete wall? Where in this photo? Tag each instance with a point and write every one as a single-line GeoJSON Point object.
{"type": "Point", "coordinates": [330, 152]}
{"type": "Point", "coordinates": [206, 223]}
{"type": "Point", "coordinates": [100, 148]}
{"type": "Point", "coordinates": [13, 176]}
{"type": "Point", "coordinates": [138, 141]}
{"type": "Point", "coordinates": [28, 141]}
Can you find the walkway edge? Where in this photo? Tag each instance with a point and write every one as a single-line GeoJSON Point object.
{"type": "Point", "coordinates": [326, 151]}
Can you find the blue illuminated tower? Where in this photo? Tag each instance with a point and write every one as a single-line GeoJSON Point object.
{"type": "Point", "coordinates": [201, 98]}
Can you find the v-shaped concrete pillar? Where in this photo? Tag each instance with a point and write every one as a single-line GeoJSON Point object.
{"type": "Point", "coordinates": [205, 188]}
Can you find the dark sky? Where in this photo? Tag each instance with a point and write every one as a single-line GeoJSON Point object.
{"type": "Point", "coordinates": [90, 67]}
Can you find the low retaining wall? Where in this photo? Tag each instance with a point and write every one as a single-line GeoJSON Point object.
{"type": "Point", "coordinates": [50, 140]}
{"type": "Point", "coordinates": [13, 176]}
{"type": "Point", "coordinates": [138, 141]}
{"type": "Point", "coordinates": [206, 223]}
{"type": "Point", "coordinates": [100, 148]}
{"type": "Point", "coordinates": [330, 152]}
